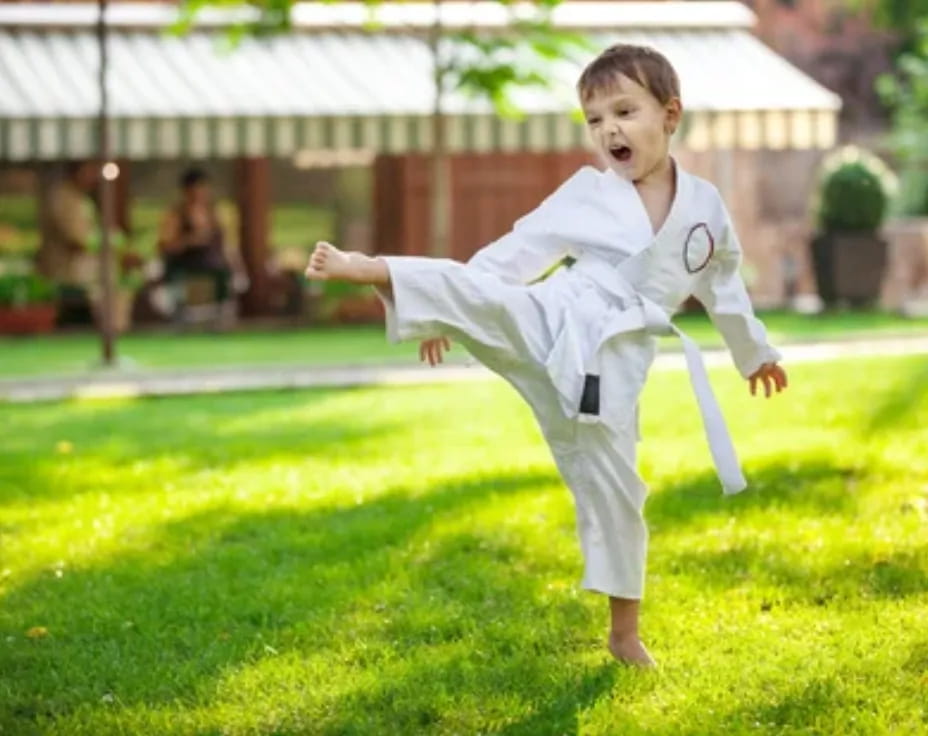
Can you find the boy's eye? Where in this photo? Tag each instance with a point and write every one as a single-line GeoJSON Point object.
{"type": "Point", "coordinates": [622, 112]}
{"type": "Point", "coordinates": [592, 121]}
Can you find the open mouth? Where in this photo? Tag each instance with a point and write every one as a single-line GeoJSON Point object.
{"type": "Point", "coordinates": [621, 153]}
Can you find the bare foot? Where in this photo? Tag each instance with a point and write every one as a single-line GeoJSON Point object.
{"type": "Point", "coordinates": [328, 262]}
{"type": "Point", "coordinates": [629, 650]}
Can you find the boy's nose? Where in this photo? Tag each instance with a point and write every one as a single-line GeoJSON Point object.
{"type": "Point", "coordinates": [613, 129]}
{"type": "Point", "coordinates": [615, 137]}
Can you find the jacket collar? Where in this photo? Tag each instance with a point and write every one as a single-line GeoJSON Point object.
{"type": "Point", "coordinates": [626, 204]}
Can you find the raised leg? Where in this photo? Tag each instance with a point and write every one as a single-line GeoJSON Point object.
{"type": "Point", "coordinates": [329, 263]}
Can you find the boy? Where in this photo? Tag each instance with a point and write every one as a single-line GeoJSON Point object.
{"type": "Point", "coordinates": [632, 242]}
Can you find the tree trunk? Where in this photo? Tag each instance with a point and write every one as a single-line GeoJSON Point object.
{"type": "Point", "coordinates": [252, 181]}
{"type": "Point", "coordinates": [107, 262]}
{"type": "Point", "coordinates": [440, 181]}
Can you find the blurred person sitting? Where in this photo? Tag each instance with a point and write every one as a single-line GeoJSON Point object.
{"type": "Point", "coordinates": [192, 244]}
{"type": "Point", "coordinates": [69, 253]}
{"type": "Point", "coordinates": [68, 227]}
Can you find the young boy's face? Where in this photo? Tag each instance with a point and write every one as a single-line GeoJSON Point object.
{"type": "Point", "coordinates": [630, 128]}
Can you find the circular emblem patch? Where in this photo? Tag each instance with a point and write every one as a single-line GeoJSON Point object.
{"type": "Point", "coordinates": [698, 248]}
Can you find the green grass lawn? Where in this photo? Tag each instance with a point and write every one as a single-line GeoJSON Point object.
{"type": "Point", "coordinates": [404, 561]}
{"type": "Point", "coordinates": [68, 354]}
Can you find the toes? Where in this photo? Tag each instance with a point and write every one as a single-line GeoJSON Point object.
{"type": "Point", "coordinates": [633, 654]}
{"type": "Point", "coordinates": [317, 260]}
{"type": "Point", "coordinates": [315, 274]}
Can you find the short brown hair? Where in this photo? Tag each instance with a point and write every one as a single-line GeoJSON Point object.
{"type": "Point", "coordinates": [644, 65]}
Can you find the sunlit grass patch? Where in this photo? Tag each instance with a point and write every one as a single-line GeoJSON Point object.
{"type": "Point", "coordinates": [404, 560]}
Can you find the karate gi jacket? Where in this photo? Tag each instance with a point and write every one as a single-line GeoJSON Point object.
{"type": "Point", "coordinates": [596, 224]}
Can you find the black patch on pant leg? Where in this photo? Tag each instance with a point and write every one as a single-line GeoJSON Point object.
{"type": "Point", "coordinates": [589, 401]}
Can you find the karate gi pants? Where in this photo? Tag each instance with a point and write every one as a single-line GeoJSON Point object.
{"type": "Point", "coordinates": [510, 329]}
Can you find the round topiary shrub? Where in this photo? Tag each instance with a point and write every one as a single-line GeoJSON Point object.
{"type": "Point", "coordinates": [852, 199]}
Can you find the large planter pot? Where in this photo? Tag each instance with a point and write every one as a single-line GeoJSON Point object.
{"type": "Point", "coordinates": [849, 267]}
{"type": "Point", "coordinates": [29, 319]}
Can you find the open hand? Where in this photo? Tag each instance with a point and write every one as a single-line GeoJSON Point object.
{"type": "Point", "coordinates": [771, 375]}
{"type": "Point", "coordinates": [431, 350]}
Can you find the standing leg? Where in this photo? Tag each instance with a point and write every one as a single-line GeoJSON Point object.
{"type": "Point", "coordinates": [624, 642]}
{"type": "Point", "coordinates": [598, 464]}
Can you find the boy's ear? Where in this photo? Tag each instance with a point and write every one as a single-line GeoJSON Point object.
{"type": "Point", "coordinates": [674, 112]}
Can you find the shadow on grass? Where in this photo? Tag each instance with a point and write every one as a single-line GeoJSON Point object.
{"type": "Point", "coordinates": [481, 652]}
{"type": "Point", "coordinates": [802, 581]}
{"type": "Point", "coordinates": [807, 486]}
{"type": "Point", "coordinates": [208, 433]}
{"type": "Point", "coordinates": [811, 488]}
{"type": "Point", "coordinates": [823, 702]}
{"type": "Point", "coordinates": [918, 658]}
{"type": "Point", "coordinates": [563, 704]}
{"type": "Point", "coordinates": [903, 402]}
{"type": "Point", "coordinates": [215, 593]}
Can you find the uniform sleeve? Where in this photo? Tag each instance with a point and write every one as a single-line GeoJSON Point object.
{"type": "Point", "coordinates": [722, 292]}
{"type": "Point", "coordinates": [533, 245]}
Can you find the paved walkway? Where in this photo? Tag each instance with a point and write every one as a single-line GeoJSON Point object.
{"type": "Point", "coordinates": [117, 383]}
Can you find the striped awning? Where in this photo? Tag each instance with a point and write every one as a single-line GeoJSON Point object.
{"type": "Point", "coordinates": [331, 86]}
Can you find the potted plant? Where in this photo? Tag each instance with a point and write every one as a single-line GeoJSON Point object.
{"type": "Point", "coordinates": [849, 253]}
{"type": "Point", "coordinates": [27, 304]}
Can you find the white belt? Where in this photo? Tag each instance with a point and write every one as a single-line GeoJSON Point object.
{"type": "Point", "coordinates": [637, 312]}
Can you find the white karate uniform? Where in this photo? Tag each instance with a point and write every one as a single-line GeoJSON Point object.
{"type": "Point", "coordinates": [578, 344]}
